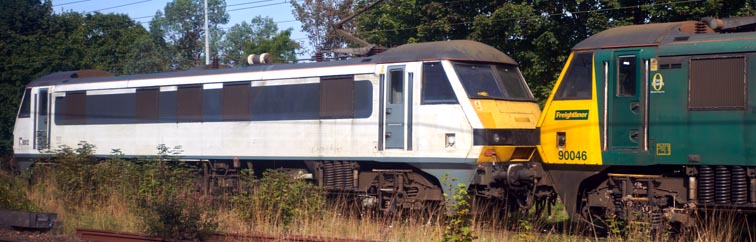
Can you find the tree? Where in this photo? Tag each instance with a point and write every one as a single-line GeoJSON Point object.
{"type": "Point", "coordinates": [317, 17]}
{"type": "Point", "coordinates": [537, 34]}
{"type": "Point", "coordinates": [109, 40]}
{"type": "Point", "coordinates": [182, 27]}
{"type": "Point", "coordinates": [261, 35]}
{"type": "Point", "coordinates": [23, 26]}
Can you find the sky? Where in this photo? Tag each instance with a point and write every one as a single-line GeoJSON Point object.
{"type": "Point", "coordinates": [238, 11]}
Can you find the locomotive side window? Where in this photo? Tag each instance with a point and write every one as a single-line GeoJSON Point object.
{"type": "Point", "coordinates": [337, 97]}
{"type": "Point", "coordinates": [147, 103]}
{"type": "Point", "coordinates": [626, 84]}
{"type": "Point", "coordinates": [717, 83]}
{"type": "Point", "coordinates": [189, 103]}
{"type": "Point", "coordinates": [25, 111]}
{"type": "Point", "coordinates": [493, 81]}
{"type": "Point", "coordinates": [235, 101]}
{"type": "Point", "coordinates": [396, 95]}
{"type": "Point", "coordinates": [285, 102]}
{"type": "Point", "coordinates": [211, 102]}
{"type": "Point", "coordinates": [75, 108]}
{"type": "Point", "coordinates": [110, 108]}
{"type": "Point", "coordinates": [436, 86]}
{"type": "Point", "coordinates": [576, 83]}
{"type": "Point", "coordinates": [167, 105]}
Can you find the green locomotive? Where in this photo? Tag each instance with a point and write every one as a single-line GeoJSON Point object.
{"type": "Point", "coordinates": [654, 122]}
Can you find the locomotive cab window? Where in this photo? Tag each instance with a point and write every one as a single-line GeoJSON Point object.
{"type": "Point", "coordinates": [486, 81]}
{"type": "Point", "coordinates": [576, 83]}
{"type": "Point", "coordinates": [436, 86]}
{"type": "Point", "coordinates": [717, 83]}
{"type": "Point", "coordinates": [626, 74]}
{"type": "Point", "coordinates": [25, 110]}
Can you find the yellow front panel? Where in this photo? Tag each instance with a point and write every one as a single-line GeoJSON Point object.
{"type": "Point", "coordinates": [498, 114]}
{"type": "Point", "coordinates": [578, 120]}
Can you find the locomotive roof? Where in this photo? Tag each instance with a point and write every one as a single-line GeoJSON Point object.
{"type": "Point", "coordinates": [641, 35]}
{"type": "Point", "coordinates": [457, 50]}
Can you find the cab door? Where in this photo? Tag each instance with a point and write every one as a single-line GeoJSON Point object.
{"type": "Point", "coordinates": [626, 97]}
{"type": "Point", "coordinates": [42, 119]}
{"type": "Point", "coordinates": [395, 102]}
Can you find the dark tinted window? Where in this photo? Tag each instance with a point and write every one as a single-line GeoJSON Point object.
{"type": "Point", "coordinates": [337, 97]}
{"type": "Point", "coordinates": [396, 86]}
{"type": "Point", "coordinates": [148, 105]}
{"type": "Point", "coordinates": [25, 110]}
{"type": "Point", "coordinates": [75, 109]}
{"type": "Point", "coordinates": [167, 106]}
{"type": "Point", "coordinates": [111, 108]}
{"type": "Point", "coordinates": [363, 99]}
{"type": "Point", "coordinates": [492, 81]}
{"type": "Point", "coordinates": [286, 102]}
{"type": "Point", "coordinates": [436, 87]}
{"type": "Point", "coordinates": [718, 83]}
{"type": "Point", "coordinates": [626, 74]}
{"type": "Point", "coordinates": [189, 103]}
{"type": "Point", "coordinates": [211, 104]}
{"type": "Point", "coordinates": [235, 101]}
{"type": "Point", "coordinates": [576, 83]}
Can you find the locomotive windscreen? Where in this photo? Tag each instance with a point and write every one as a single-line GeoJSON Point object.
{"type": "Point", "coordinates": [489, 81]}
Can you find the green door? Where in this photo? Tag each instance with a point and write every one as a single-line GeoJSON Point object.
{"type": "Point", "coordinates": [625, 93]}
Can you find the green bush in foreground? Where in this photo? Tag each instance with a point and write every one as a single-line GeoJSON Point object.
{"type": "Point", "coordinates": [459, 225]}
{"type": "Point", "coordinates": [277, 198]}
{"type": "Point", "coordinates": [12, 195]}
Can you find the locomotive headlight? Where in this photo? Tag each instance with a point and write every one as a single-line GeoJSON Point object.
{"type": "Point", "coordinates": [450, 139]}
{"type": "Point", "coordinates": [496, 138]}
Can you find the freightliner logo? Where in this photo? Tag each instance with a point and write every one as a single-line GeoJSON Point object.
{"type": "Point", "coordinates": [571, 115]}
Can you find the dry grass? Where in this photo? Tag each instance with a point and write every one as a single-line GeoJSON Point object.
{"type": "Point", "coordinates": [114, 214]}
{"type": "Point", "coordinates": [336, 220]}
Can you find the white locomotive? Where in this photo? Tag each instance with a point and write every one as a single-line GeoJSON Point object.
{"type": "Point", "coordinates": [387, 127]}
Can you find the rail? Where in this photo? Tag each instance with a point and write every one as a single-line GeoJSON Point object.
{"type": "Point", "coordinates": [114, 236]}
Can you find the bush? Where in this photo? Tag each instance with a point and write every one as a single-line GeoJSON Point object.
{"type": "Point", "coordinates": [12, 194]}
{"type": "Point", "coordinates": [277, 198]}
{"type": "Point", "coordinates": [180, 219]}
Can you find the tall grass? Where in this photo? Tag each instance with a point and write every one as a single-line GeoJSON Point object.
{"type": "Point", "coordinates": [158, 195]}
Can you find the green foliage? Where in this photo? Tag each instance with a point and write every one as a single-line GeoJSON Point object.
{"type": "Point", "coordinates": [12, 194]}
{"type": "Point", "coordinates": [277, 198]}
{"type": "Point", "coordinates": [259, 36]}
{"type": "Point", "coordinates": [181, 25]}
{"type": "Point", "coordinates": [318, 16]}
{"type": "Point", "coordinates": [459, 225]}
{"type": "Point", "coordinates": [80, 178]}
{"type": "Point", "coordinates": [537, 34]}
{"type": "Point", "coordinates": [179, 219]}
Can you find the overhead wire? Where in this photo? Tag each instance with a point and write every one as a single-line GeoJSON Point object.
{"type": "Point", "coordinates": [123, 5]}
{"type": "Point", "coordinates": [63, 4]}
{"type": "Point", "coordinates": [492, 20]}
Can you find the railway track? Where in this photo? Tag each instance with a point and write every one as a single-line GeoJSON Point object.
{"type": "Point", "coordinates": [114, 236]}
